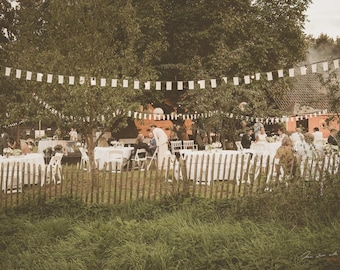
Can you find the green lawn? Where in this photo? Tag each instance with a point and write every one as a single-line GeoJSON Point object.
{"type": "Point", "coordinates": [274, 230]}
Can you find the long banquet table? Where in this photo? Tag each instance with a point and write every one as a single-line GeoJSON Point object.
{"type": "Point", "coordinates": [206, 166]}
{"type": "Point", "coordinates": [23, 169]}
{"type": "Point", "coordinates": [102, 154]}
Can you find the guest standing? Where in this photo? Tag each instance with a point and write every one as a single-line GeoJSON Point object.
{"type": "Point", "coordinates": [247, 138]}
{"type": "Point", "coordinates": [4, 141]}
{"type": "Point", "coordinates": [161, 142]}
{"type": "Point", "coordinates": [152, 143]}
{"type": "Point", "coordinates": [332, 140]}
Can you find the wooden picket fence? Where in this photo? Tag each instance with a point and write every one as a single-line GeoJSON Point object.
{"type": "Point", "coordinates": [240, 177]}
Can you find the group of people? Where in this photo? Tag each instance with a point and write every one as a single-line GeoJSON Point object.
{"type": "Point", "coordinates": [158, 142]}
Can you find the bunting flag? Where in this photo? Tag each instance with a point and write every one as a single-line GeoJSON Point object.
{"type": "Point", "coordinates": [174, 116]}
{"type": "Point", "coordinates": [324, 66]}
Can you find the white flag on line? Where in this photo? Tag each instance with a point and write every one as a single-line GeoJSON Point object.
{"type": "Point", "coordinates": [179, 85]}
{"type": "Point", "coordinates": [18, 73]}
{"type": "Point", "coordinates": [213, 83]}
{"type": "Point", "coordinates": [8, 71]}
{"type": "Point", "coordinates": [168, 85]}
{"type": "Point", "coordinates": [102, 82]}
{"type": "Point", "coordinates": [28, 75]}
{"type": "Point", "coordinates": [280, 73]}
{"type": "Point", "coordinates": [158, 85]}
{"type": "Point", "coordinates": [114, 82]}
{"type": "Point", "coordinates": [81, 80]}
{"type": "Point", "coordinates": [49, 78]}
{"type": "Point", "coordinates": [201, 84]}
{"type": "Point", "coordinates": [39, 77]}
{"type": "Point", "coordinates": [71, 80]}
{"type": "Point", "coordinates": [147, 85]}
{"type": "Point", "coordinates": [236, 81]}
{"type": "Point", "coordinates": [60, 79]}
{"type": "Point", "coordinates": [136, 85]}
{"type": "Point", "coordinates": [269, 76]}
{"type": "Point", "coordinates": [191, 85]}
{"type": "Point", "coordinates": [125, 83]}
{"type": "Point", "coordinates": [247, 79]}
{"type": "Point", "coordinates": [93, 81]}
{"type": "Point", "coordinates": [291, 72]}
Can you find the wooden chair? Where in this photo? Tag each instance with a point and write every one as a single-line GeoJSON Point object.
{"type": "Point", "coordinates": [53, 172]}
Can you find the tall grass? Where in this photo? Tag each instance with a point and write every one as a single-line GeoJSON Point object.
{"type": "Point", "coordinates": [276, 230]}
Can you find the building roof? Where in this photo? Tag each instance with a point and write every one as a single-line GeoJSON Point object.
{"type": "Point", "coordinates": [306, 95]}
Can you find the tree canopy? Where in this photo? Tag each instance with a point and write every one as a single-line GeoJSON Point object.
{"type": "Point", "coordinates": [148, 41]}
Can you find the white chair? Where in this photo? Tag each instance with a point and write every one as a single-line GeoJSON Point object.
{"type": "Point", "coordinates": [239, 145]}
{"type": "Point", "coordinates": [116, 159]}
{"type": "Point", "coordinates": [85, 160]}
{"type": "Point", "coordinates": [176, 146]}
{"type": "Point", "coordinates": [189, 144]}
{"type": "Point", "coordinates": [152, 158]}
{"type": "Point", "coordinates": [53, 172]}
{"type": "Point", "coordinates": [140, 159]}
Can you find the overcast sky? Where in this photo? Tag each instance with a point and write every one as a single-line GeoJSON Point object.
{"type": "Point", "coordinates": [324, 17]}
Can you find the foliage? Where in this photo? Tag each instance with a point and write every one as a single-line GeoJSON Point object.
{"type": "Point", "coordinates": [274, 231]}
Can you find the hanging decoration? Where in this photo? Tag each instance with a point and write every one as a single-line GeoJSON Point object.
{"type": "Point", "coordinates": [159, 115]}
{"type": "Point", "coordinates": [322, 66]}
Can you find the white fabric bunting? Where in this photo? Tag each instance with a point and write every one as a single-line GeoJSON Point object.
{"type": "Point", "coordinates": [49, 78]}
{"type": "Point", "coordinates": [236, 81]}
{"type": "Point", "coordinates": [147, 85]}
{"type": "Point", "coordinates": [39, 77]}
{"type": "Point", "coordinates": [71, 80]}
{"type": "Point", "coordinates": [28, 75]}
{"type": "Point", "coordinates": [8, 71]}
{"type": "Point", "coordinates": [158, 86]}
{"type": "Point", "coordinates": [136, 85]}
{"type": "Point", "coordinates": [168, 85]}
{"type": "Point", "coordinates": [125, 83]}
{"type": "Point", "coordinates": [191, 85]}
{"type": "Point", "coordinates": [180, 85]}
{"type": "Point", "coordinates": [280, 73]}
{"type": "Point", "coordinates": [102, 82]}
{"type": "Point", "coordinates": [247, 79]}
{"type": "Point", "coordinates": [114, 82]}
{"type": "Point", "coordinates": [213, 83]}
{"type": "Point", "coordinates": [18, 73]}
{"type": "Point", "coordinates": [269, 76]}
{"type": "Point", "coordinates": [60, 79]}
{"type": "Point", "coordinates": [291, 72]}
{"type": "Point", "coordinates": [201, 84]}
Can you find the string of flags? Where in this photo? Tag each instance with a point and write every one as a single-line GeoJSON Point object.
{"type": "Point", "coordinates": [175, 116]}
{"type": "Point", "coordinates": [49, 78]}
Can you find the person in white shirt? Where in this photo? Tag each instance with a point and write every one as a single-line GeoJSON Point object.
{"type": "Point", "coordinates": [161, 142]}
{"type": "Point", "coordinates": [318, 136]}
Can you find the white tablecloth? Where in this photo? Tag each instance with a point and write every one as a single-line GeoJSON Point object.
{"type": "Point", "coordinates": [43, 144]}
{"type": "Point", "coordinates": [207, 166]}
{"type": "Point", "coordinates": [18, 162]}
{"type": "Point", "coordinates": [263, 147]}
{"type": "Point", "coordinates": [102, 154]}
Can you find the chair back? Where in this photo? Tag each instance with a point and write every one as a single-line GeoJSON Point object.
{"type": "Point", "coordinates": [175, 146]}
{"type": "Point", "coordinates": [84, 155]}
{"type": "Point", "coordinates": [116, 158]}
{"type": "Point", "coordinates": [239, 146]}
{"type": "Point", "coordinates": [141, 155]}
{"type": "Point", "coordinates": [56, 160]}
{"type": "Point", "coordinates": [189, 144]}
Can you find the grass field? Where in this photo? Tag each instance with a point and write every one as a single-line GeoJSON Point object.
{"type": "Point", "coordinates": [274, 230]}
